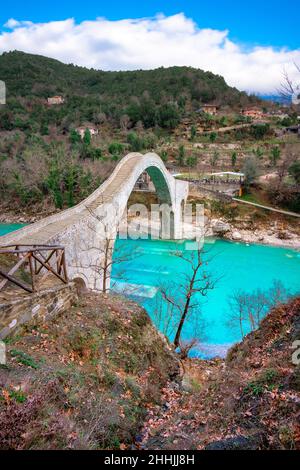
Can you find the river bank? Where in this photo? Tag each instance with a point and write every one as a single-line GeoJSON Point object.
{"type": "Point", "coordinates": [275, 235]}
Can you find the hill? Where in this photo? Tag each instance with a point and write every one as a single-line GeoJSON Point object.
{"type": "Point", "coordinates": [154, 97]}
{"type": "Point", "coordinates": [34, 75]}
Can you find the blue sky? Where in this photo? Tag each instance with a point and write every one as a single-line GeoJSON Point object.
{"type": "Point", "coordinates": [249, 43]}
{"type": "Point", "coordinates": [254, 22]}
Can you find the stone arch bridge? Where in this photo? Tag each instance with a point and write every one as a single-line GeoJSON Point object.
{"type": "Point", "coordinates": [80, 229]}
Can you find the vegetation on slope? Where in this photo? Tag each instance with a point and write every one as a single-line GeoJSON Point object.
{"type": "Point", "coordinates": [251, 401]}
{"type": "Point", "coordinates": [43, 160]}
{"type": "Point", "coordinates": [84, 380]}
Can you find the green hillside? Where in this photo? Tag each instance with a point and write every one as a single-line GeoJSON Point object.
{"type": "Point", "coordinates": [43, 159]}
{"type": "Point", "coordinates": [142, 95]}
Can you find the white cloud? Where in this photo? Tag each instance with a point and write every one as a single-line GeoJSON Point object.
{"type": "Point", "coordinates": [149, 43]}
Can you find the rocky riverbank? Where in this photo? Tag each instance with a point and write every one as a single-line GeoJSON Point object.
{"type": "Point", "coordinates": [26, 216]}
{"type": "Point", "coordinates": [274, 235]}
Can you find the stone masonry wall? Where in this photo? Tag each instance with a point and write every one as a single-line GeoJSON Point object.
{"type": "Point", "coordinates": [41, 306]}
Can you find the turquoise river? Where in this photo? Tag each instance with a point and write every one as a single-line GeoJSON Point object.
{"type": "Point", "coordinates": [235, 266]}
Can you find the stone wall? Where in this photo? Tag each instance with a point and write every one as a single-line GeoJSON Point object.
{"type": "Point", "coordinates": [207, 193]}
{"type": "Point", "coordinates": [41, 306]}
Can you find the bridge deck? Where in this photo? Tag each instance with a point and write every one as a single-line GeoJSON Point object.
{"type": "Point", "coordinates": [49, 231]}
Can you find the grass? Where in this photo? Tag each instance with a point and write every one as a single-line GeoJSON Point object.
{"type": "Point", "coordinates": [268, 380]}
{"type": "Point", "coordinates": [24, 359]}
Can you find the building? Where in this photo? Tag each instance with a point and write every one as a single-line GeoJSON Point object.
{"type": "Point", "coordinates": [254, 112]}
{"type": "Point", "coordinates": [293, 130]}
{"type": "Point", "coordinates": [81, 130]}
{"type": "Point", "coordinates": [144, 183]}
{"type": "Point", "coordinates": [55, 100]}
{"type": "Point", "coordinates": [209, 109]}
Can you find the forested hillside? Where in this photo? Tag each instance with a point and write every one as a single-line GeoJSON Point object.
{"type": "Point", "coordinates": [44, 160]}
{"type": "Point", "coordinates": [32, 76]}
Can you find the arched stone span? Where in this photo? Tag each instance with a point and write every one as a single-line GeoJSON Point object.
{"type": "Point", "coordinates": [80, 229]}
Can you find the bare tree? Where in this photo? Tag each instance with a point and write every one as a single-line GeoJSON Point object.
{"type": "Point", "coordinates": [247, 309]}
{"type": "Point", "coordinates": [288, 87]}
{"type": "Point", "coordinates": [110, 256]}
{"type": "Point", "coordinates": [164, 316]}
{"type": "Point", "coordinates": [283, 168]}
{"type": "Point", "coordinates": [125, 122]}
{"type": "Point", "coordinates": [195, 280]}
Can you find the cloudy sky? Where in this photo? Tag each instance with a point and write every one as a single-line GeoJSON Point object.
{"type": "Point", "coordinates": [249, 48]}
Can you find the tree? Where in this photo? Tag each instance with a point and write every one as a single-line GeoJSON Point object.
{"type": "Point", "coordinates": [195, 280]}
{"type": "Point", "coordinates": [124, 122]}
{"type": "Point", "coordinates": [181, 155]}
{"type": "Point", "coordinates": [71, 175]}
{"type": "Point", "coordinates": [213, 137]}
{"type": "Point", "coordinates": [74, 137]}
{"type": "Point", "coordinates": [294, 171]}
{"type": "Point", "coordinates": [233, 159]}
{"type": "Point", "coordinates": [136, 143]}
{"type": "Point", "coordinates": [115, 148]}
{"type": "Point", "coordinates": [259, 131]}
{"type": "Point", "coordinates": [289, 88]}
{"type": "Point", "coordinates": [193, 133]}
{"type": "Point", "coordinates": [109, 255]}
{"type": "Point", "coordinates": [258, 153]}
{"type": "Point", "coordinates": [275, 155]}
{"type": "Point", "coordinates": [283, 169]}
{"type": "Point", "coordinates": [87, 138]}
{"type": "Point", "coordinates": [191, 161]}
{"type": "Point", "coordinates": [214, 159]}
{"type": "Point", "coordinates": [247, 309]}
{"type": "Point", "coordinates": [168, 116]}
{"type": "Point", "coordinates": [251, 171]}
{"type": "Point", "coordinates": [53, 182]}
{"type": "Point", "coordinates": [164, 155]}
{"type": "Point", "coordinates": [44, 128]}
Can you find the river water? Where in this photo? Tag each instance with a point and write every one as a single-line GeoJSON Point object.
{"type": "Point", "coordinates": [234, 266]}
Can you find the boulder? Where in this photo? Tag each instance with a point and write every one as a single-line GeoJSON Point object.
{"type": "Point", "coordinates": [220, 228]}
{"type": "Point", "coordinates": [236, 236]}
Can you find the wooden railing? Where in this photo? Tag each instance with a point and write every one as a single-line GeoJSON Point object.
{"type": "Point", "coordinates": [34, 259]}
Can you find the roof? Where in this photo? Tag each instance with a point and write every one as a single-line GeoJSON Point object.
{"type": "Point", "coordinates": [253, 108]}
{"type": "Point", "coordinates": [231, 173]}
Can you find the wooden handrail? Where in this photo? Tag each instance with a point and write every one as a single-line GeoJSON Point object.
{"type": "Point", "coordinates": [36, 258]}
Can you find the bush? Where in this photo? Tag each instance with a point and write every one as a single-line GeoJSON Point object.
{"type": "Point", "coordinates": [116, 148]}
{"type": "Point", "coordinates": [136, 143]}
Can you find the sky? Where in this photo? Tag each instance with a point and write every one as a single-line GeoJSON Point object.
{"type": "Point", "coordinates": [249, 43]}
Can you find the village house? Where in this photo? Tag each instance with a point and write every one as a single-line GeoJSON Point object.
{"type": "Point", "coordinates": [81, 130]}
{"type": "Point", "coordinates": [55, 100]}
{"type": "Point", "coordinates": [209, 109]}
{"type": "Point", "coordinates": [254, 112]}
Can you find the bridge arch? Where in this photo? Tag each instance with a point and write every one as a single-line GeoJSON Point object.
{"type": "Point", "coordinates": [80, 229]}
